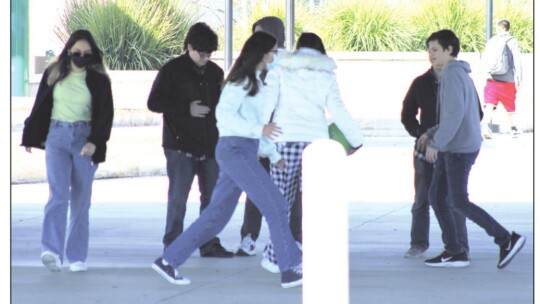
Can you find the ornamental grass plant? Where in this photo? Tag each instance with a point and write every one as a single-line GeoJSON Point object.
{"type": "Point", "coordinates": [520, 15]}
{"type": "Point", "coordinates": [404, 25]}
{"type": "Point", "coordinates": [364, 25]}
{"type": "Point", "coordinates": [144, 34]}
{"type": "Point", "coordinates": [133, 34]}
{"type": "Point", "coordinates": [249, 12]}
{"type": "Point", "coordinates": [465, 18]}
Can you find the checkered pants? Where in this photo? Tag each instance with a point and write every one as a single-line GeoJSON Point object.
{"type": "Point", "coordinates": [288, 180]}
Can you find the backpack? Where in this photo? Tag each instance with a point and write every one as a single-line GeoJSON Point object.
{"type": "Point", "coordinates": [496, 57]}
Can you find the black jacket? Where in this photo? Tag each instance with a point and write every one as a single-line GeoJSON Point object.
{"type": "Point", "coordinates": [36, 126]}
{"type": "Point", "coordinates": [177, 84]}
{"type": "Point", "coordinates": [422, 95]}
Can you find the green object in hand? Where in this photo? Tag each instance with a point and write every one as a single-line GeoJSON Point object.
{"type": "Point", "coordinates": [335, 133]}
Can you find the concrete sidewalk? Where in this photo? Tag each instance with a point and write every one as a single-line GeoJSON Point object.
{"type": "Point", "coordinates": [128, 217]}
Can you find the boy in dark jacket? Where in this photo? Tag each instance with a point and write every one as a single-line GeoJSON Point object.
{"type": "Point", "coordinates": [186, 90]}
{"type": "Point", "coordinates": [422, 96]}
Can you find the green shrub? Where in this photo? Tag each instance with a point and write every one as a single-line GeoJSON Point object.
{"type": "Point", "coordinates": [363, 25]}
{"type": "Point", "coordinates": [463, 17]}
{"type": "Point", "coordinates": [133, 34]}
{"type": "Point", "coordinates": [244, 17]}
{"type": "Point", "coordinates": [520, 16]}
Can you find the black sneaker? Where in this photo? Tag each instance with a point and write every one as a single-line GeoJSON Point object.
{"type": "Point", "coordinates": [169, 273]}
{"type": "Point", "coordinates": [510, 249]}
{"type": "Point", "coordinates": [292, 277]}
{"type": "Point", "coordinates": [447, 260]}
{"type": "Point", "coordinates": [216, 251]}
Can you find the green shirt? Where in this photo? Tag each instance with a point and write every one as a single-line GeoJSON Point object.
{"type": "Point", "coordinates": [71, 99]}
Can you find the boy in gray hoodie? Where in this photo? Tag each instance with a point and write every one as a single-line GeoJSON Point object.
{"type": "Point", "coordinates": [453, 146]}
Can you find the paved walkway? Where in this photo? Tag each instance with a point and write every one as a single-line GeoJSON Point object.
{"type": "Point", "coordinates": [127, 222]}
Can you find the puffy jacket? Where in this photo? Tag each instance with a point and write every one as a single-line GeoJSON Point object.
{"type": "Point", "coordinates": [302, 88]}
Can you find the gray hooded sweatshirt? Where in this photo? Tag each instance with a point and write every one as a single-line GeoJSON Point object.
{"type": "Point", "coordinates": [458, 129]}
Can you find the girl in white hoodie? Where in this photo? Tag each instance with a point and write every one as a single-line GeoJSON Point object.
{"type": "Point", "coordinates": [302, 87]}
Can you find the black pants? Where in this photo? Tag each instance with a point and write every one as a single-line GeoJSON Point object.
{"type": "Point", "coordinates": [253, 218]}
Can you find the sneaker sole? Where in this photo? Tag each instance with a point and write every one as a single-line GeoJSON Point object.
{"type": "Point", "coordinates": [459, 264]}
{"type": "Point", "coordinates": [408, 256]}
{"type": "Point", "coordinates": [411, 256]}
{"type": "Point", "coordinates": [50, 262]}
{"type": "Point", "coordinates": [184, 281]}
{"type": "Point", "coordinates": [292, 284]}
{"type": "Point", "coordinates": [513, 253]}
{"type": "Point", "coordinates": [78, 269]}
{"type": "Point", "coordinates": [243, 253]}
{"type": "Point", "coordinates": [268, 266]}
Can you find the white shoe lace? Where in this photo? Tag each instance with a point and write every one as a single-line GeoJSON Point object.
{"type": "Point", "coordinates": [247, 242]}
{"type": "Point", "coordinates": [297, 269]}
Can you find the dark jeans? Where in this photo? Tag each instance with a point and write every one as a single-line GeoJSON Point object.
{"type": "Point", "coordinates": [181, 170]}
{"type": "Point", "coordinates": [253, 217]}
{"type": "Point", "coordinates": [451, 177]}
{"type": "Point", "coordinates": [423, 174]}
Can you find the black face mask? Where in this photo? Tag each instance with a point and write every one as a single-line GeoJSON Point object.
{"type": "Point", "coordinates": [79, 60]}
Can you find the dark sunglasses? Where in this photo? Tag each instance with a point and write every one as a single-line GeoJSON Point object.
{"type": "Point", "coordinates": [79, 54]}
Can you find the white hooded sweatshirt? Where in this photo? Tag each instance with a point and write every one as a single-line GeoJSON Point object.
{"type": "Point", "coordinates": [300, 88]}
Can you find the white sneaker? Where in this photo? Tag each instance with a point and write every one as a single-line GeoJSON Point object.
{"type": "Point", "coordinates": [247, 247]}
{"type": "Point", "coordinates": [78, 266]}
{"type": "Point", "coordinates": [515, 132]}
{"type": "Point", "coordinates": [486, 132]}
{"type": "Point", "coordinates": [51, 261]}
{"type": "Point", "coordinates": [266, 264]}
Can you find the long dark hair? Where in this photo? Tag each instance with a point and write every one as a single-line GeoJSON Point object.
{"type": "Point", "coordinates": [61, 68]}
{"type": "Point", "coordinates": [251, 55]}
{"type": "Point", "coordinates": [311, 40]}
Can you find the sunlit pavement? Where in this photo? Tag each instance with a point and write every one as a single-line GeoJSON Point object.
{"type": "Point", "coordinates": [128, 218]}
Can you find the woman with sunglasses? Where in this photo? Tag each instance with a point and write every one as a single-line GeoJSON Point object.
{"type": "Point", "coordinates": [71, 119]}
{"type": "Point", "coordinates": [242, 116]}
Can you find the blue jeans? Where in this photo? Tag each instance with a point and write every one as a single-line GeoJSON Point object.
{"type": "Point", "coordinates": [451, 177]}
{"type": "Point", "coordinates": [181, 170]}
{"type": "Point", "coordinates": [239, 171]}
{"type": "Point", "coordinates": [70, 178]}
{"type": "Point", "coordinates": [423, 173]}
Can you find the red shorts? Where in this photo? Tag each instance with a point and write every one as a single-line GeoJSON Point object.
{"type": "Point", "coordinates": [505, 92]}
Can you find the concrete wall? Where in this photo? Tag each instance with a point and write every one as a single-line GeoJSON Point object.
{"type": "Point", "coordinates": [373, 86]}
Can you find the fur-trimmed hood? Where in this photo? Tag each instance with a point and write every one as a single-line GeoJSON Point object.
{"type": "Point", "coordinates": [306, 58]}
{"type": "Point", "coordinates": [300, 90]}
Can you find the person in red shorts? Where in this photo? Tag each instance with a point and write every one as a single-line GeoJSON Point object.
{"type": "Point", "coordinates": [503, 87]}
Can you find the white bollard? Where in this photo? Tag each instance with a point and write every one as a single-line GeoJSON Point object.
{"type": "Point", "coordinates": [325, 224]}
